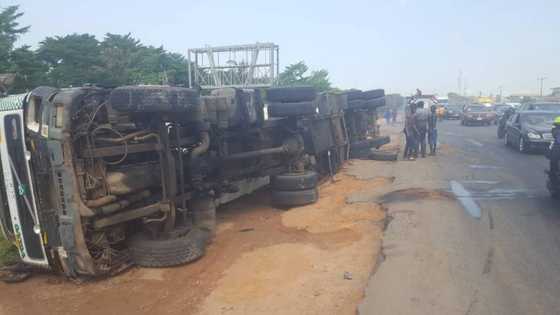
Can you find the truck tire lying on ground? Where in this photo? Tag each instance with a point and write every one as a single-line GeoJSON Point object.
{"type": "Point", "coordinates": [291, 109]}
{"type": "Point", "coordinates": [380, 155]}
{"type": "Point", "coordinates": [295, 181]}
{"type": "Point", "coordinates": [291, 94]}
{"type": "Point", "coordinates": [294, 198]}
{"type": "Point", "coordinates": [369, 143]}
{"type": "Point", "coordinates": [147, 98]}
{"type": "Point", "coordinates": [146, 252]}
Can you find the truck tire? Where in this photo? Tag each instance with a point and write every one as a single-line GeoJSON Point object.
{"type": "Point", "coordinates": [291, 109]}
{"type": "Point", "coordinates": [353, 95]}
{"type": "Point", "coordinates": [146, 252]}
{"type": "Point", "coordinates": [377, 93]}
{"type": "Point", "coordinates": [291, 94]}
{"type": "Point", "coordinates": [153, 98]}
{"type": "Point", "coordinates": [294, 198]}
{"type": "Point", "coordinates": [295, 181]}
{"type": "Point", "coordinates": [356, 104]}
{"type": "Point", "coordinates": [374, 103]}
{"type": "Point", "coordinates": [370, 143]}
{"type": "Point", "coordinates": [379, 155]}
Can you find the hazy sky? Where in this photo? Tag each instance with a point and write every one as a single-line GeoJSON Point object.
{"type": "Point", "coordinates": [397, 45]}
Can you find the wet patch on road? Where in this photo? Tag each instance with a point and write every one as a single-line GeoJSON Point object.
{"type": "Point", "coordinates": [411, 194]}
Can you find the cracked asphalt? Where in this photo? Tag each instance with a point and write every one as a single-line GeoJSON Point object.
{"type": "Point", "coordinates": [439, 258]}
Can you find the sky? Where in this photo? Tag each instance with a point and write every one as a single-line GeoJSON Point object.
{"type": "Point", "coordinates": [399, 45]}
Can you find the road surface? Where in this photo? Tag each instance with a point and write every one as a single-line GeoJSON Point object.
{"type": "Point", "coordinates": [473, 231]}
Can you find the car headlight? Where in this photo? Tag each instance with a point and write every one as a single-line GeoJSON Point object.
{"type": "Point", "coordinates": [533, 135]}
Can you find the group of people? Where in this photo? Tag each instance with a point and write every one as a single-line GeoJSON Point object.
{"type": "Point", "coordinates": [420, 123]}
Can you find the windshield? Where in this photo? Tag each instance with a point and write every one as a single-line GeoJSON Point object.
{"type": "Point", "coordinates": [478, 109]}
{"type": "Point", "coordinates": [538, 119]}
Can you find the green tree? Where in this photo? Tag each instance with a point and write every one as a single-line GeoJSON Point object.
{"type": "Point", "coordinates": [10, 30]}
{"type": "Point", "coordinates": [30, 71]}
{"type": "Point", "coordinates": [72, 60]}
{"type": "Point", "coordinates": [120, 56]}
{"type": "Point", "coordinates": [297, 74]}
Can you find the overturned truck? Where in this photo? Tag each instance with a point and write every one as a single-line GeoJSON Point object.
{"type": "Point", "coordinates": [95, 180]}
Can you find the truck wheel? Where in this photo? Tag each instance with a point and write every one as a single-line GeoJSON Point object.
{"type": "Point", "coordinates": [291, 94]}
{"type": "Point", "coordinates": [374, 102]}
{"type": "Point", "coordinates": [153, 98]}
{"type": "Point", "coordinates": [356, 104]}
{"type": "Point", "coordinates": [146, 252]}
{"type": "Point", "coordinates": [377, 93]}
{"type": "Point", "coordinates": [294, 198]}
{"type": "Point", "coordinates": [295, 181]}
{"type": "Point", "coordinates": [353, 95]}
{"type": "Point", "coordinates": [291, 109]}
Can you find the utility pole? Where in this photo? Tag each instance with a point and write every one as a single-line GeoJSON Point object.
{"type": "Point", "coordinates": [500, 90]}
{"type": "Point", "coordinates": [541, 79]}
{"type": "Point", "coordinates": [460, 82]}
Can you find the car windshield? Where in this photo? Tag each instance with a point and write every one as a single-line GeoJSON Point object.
{"type": "Point", "coordinates": [538, 119]}
{"type": "Point", "coordinates": [545, 106]}
{"type": "Point", "coordinates": [478, 109]}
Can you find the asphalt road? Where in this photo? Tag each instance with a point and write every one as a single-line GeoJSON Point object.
{"type": "Point", "coordinates": [484, 237]}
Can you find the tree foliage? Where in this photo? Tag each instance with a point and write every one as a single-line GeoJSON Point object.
{"type": "Point", "coordinates": [298, 74]}
{"type": "Point", "coordinates": [77, 59]}
{"type": "Point", "coordinates": [10, 30]}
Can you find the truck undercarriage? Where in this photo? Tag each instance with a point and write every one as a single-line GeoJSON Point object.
{"type": "Point", "coordinates": [95, 179]}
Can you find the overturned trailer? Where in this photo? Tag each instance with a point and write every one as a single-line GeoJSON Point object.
{"type": "Point", "coordinates": [94, 179]}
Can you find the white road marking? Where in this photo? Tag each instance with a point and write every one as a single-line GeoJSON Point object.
{"type": "Point", "coordinates": [488, 167]}
{"type": "Point", "coordinates": [489, 182]}
{"type": "Point", "coordinates": [466, 200]}
{"type": "Point", "coordinates": [475, 142]}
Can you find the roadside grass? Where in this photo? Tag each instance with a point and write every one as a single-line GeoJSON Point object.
{"type": "Point", "coordinates": [8, 252]}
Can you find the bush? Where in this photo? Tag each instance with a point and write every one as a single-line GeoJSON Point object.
{"type": "Point", "coordinates": [8, 252]}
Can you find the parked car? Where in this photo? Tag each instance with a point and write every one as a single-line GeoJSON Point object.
{"type": "Point", "coordinates": [544, 106]}
{"type": "Point", "coordinates": [477, 114]}
{"type": "Point", "coordinates": [529, 130]}
{"type": "Point", "coordinates": [453, 112]}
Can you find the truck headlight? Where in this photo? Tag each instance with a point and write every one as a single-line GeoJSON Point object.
{"type": "Point", "coordinates": [533, 135]}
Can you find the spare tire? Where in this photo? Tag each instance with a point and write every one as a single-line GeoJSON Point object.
{"type": "Point", "coordinates": [291, 109]}
{"type": "Point", "coordinates": [294, 198]}
{"type": "Point", "coordinates": [295, 181]}
{"type": "Point", "coordinates": [153, 98]}
{"type": "Point", "coordinates": [291, 94]}
{"type": "Point", "coordinates": [366, 95]}
{"type": "Point", "coordinates": [146, 252]}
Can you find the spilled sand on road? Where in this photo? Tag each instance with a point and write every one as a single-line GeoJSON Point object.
{"type": "Point", "coordinates": [262, 260]}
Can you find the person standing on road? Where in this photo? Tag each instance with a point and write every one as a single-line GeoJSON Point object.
{"type": "Point", "coordinates": [411, 147]}
{"type": "Point", "coordinates": [387, 116]}
{"type": "Point", "coordinates": [394, 113]}
{"type": "Point", "coordinates": [421, 126]}
{"type": "Point", "coordinates": [554, 154]}
{"type": "Point", "coordinates": [432, 130]}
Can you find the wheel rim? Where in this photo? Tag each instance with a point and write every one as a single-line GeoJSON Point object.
{"type": "Point", "coordinates": [521, 145]}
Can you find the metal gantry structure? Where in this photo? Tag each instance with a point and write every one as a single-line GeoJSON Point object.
{"type": "Point", "coordinates": [240, 66]}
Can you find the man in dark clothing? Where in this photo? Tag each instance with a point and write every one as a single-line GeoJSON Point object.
{"type": "Point", "coordinates": [432, 130]}
{"type": "Point", "coordinates": [421, 126]}
{"type": "Point", "coordinates": [410, 149]}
